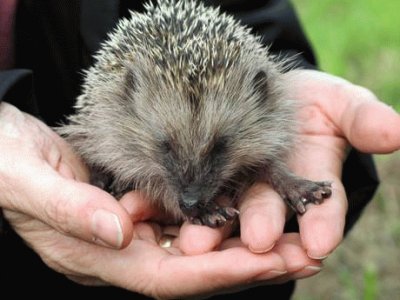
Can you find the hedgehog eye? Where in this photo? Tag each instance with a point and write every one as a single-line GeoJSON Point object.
{"type": "Point", "coordinates": [219, 145]}
{"type": "Point", "coordinates": [166, 146]}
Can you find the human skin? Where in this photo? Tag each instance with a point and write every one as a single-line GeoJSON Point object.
{"type": "Point", "coordinates": [71, 224]}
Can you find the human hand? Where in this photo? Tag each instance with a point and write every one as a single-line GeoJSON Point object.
{"type": "Point", "coordinates": [42, 178]}
{"type": "Point", "coordinates": [334, 114]}
{"type": "Point", "coordinates": [145, 267]}
{"type": "Point", "coordinates": [47, 202]}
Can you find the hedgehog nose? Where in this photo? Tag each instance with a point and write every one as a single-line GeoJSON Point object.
{"type": "Point", "coordinates": [190, 199]}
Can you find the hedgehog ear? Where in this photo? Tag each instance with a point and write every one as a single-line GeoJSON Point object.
{"type": "Point", "coordinates": [260, 82]}
{"type": "Point", "coordinates": [131, 80]}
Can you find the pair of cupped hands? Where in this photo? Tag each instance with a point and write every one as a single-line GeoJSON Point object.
{"type": "Point", "coordinates": [84, 233]}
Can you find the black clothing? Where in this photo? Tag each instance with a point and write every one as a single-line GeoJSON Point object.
{"type": "Point", "coordinates": [55, 40]}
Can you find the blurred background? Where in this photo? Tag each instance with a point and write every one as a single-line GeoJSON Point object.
{"type": "Point", "coordinates": [359, 40]}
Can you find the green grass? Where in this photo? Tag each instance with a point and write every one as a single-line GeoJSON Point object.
{"type": "Point", "coordinates": [358, 40]}
{"type": "Point", "coordinates": [370, 282]}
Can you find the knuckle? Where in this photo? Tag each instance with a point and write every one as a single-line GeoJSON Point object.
{"type": "Point", "coordinates": [57, 212]}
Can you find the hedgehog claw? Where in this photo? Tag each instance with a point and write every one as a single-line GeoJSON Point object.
{"type": "Point", "coordinates": [215, 217]}
{"type": "Point", "coordinates": [306, 192]}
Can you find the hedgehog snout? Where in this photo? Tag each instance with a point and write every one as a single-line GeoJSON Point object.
{"type": "Point", "coordinates": [192, 199]}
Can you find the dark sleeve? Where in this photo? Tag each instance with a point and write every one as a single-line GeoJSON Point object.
{"type": "Point", "coordinates": [276, 22]}
{"type": "Point", "coordinates": [16, 88]}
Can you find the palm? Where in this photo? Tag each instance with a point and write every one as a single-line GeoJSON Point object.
{"type": "Point", "coordinates": [145, 267]}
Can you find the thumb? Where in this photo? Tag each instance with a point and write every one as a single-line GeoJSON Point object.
{"type": "Point", "coordinates": [371, 126]}
{"type": "Point", "coordinates": [73, 208]}
{"type": "Point", "coordinates": [367, 123]}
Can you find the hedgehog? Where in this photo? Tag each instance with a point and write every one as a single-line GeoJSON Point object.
{"type": "Point", "coordinates": [185, 104]}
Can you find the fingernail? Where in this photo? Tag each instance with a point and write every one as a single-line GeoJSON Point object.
{"type": "Point", "coordinates": [307, 271]}
{"type": "Point", "coordinates": [107, 229]}
{"type": "Point", "coordinates": [313, 268]}
{"type": "Point", "coordinates": [260, 251]}
{"type": "Point", "coordinates": [317, 257]}
{"type": "Point", "coordinates": [278, 272]}
{"type": "Point", "coordinates": [271, 274]}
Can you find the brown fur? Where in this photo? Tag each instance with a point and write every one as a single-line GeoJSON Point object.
{"type": "Point", "coordinates": [184, 104]}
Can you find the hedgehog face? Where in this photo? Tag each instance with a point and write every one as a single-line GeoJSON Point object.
{"type": "Point", "coordinates": [205, 138]}
{"type": "Point", "coordinates": [195, 175]}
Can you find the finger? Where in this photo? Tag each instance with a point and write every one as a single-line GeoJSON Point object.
{"type": "Point", "coordinates": [68, 164]}
{"type": "Point", "coordinates": [289, 247]}
{"type": "Point", "coordinates": [197, 275]}
{"type": "Point", "coordinates": [197, 239]}
{"type": "Point", "coordinates": [369, 124]}
{"type": "Point", "coordinates": [191, 240]}
{"type": "Point", "coordinates": [146, 268]}
{"type": "Point", "coordinates": [262, 218]}
{"type": "Point", "coordinates": [298, 263]}
{"type": "Point", "coordinates": [58, 153]}
{"type": "Point", "coordinates": [139, 207]}
{"type": "Point", "coordinates": [87, 280]}
{"type": "Point", "coordinates": [322, 226]}
{"type": "Point", "coordinates": [73, 208]}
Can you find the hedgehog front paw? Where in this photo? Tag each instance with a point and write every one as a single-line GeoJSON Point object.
{"type": "Point", "coordinates": [216, 217]}
{"type": "Point", "coordinates": [298, 195]}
